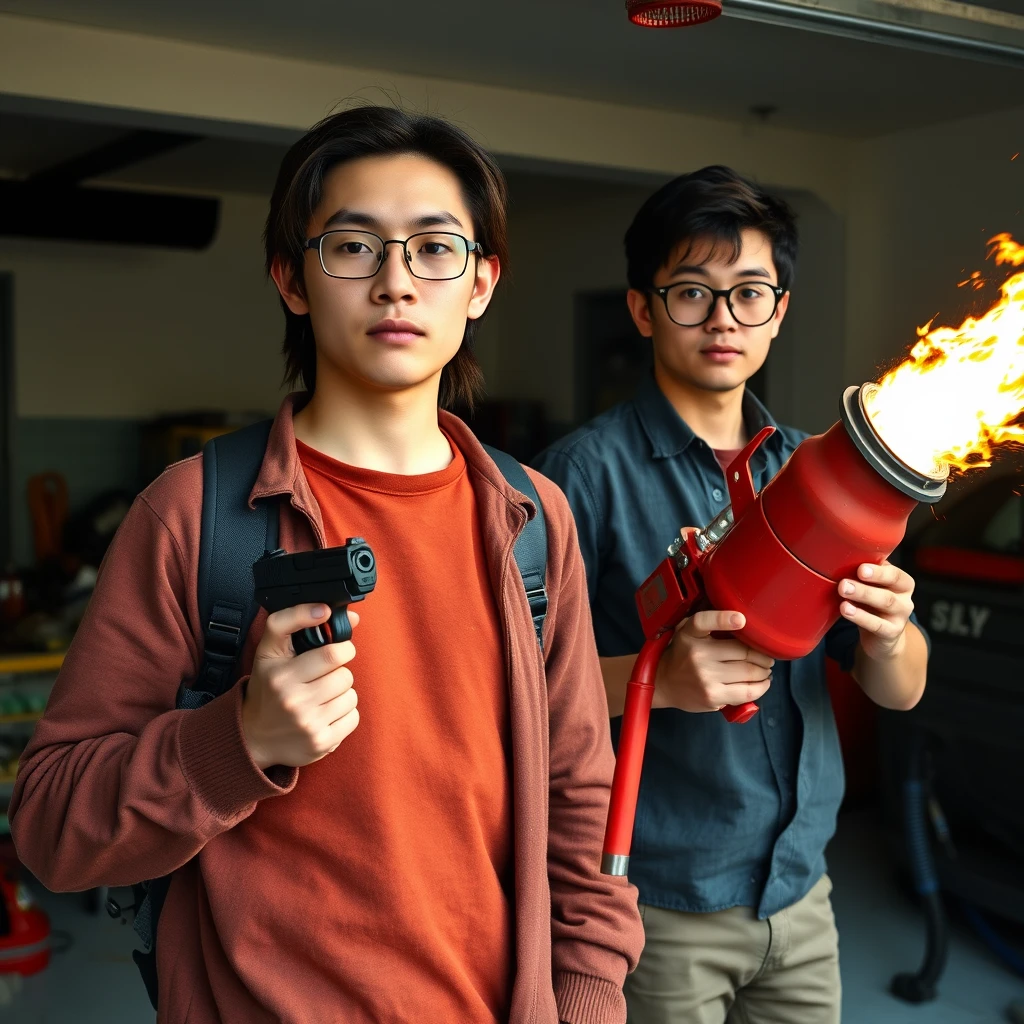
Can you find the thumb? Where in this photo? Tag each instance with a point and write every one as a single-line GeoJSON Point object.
{"type": "Point", "coordinates": [276, 641]}
{"type": "Point", "coordinates": [707, 622]}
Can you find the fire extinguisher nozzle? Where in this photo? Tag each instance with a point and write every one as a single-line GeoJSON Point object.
{"type": "Point", "coordinates": [614, 863]}
{"type": "Point", "coordinates": [887, 463]}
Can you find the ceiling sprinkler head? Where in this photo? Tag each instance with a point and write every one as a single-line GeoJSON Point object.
{"type": "Point", "coordinates": [669, 14]}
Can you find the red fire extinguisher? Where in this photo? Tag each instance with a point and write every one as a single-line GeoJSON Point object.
{"type": "Point", "coordinates": [24, 928]}
{"type": "Point", "coordinates": [842, 498]}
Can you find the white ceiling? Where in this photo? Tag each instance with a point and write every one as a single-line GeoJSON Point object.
{"type": "Point", "coordinates": [588, 48]}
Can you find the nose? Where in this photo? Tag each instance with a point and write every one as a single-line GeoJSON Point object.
{"type": "Point", "coordinates": [721, 318]}
{"type": "Point", "coordinates": [394, 281]}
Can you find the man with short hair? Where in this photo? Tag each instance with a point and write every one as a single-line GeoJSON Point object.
{"type": "Point", "coordinates": [432, 855]}
{"type": "Point", "coordinates": [732, 820]}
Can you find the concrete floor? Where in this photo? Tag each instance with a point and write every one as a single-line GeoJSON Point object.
{"type": "Point", "coordinates": [95, 981]}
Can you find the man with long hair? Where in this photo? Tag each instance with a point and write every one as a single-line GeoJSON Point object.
{"type": "Point", "coordinates": [432, 854]}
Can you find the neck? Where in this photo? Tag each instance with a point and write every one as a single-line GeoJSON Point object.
{"type": "Point", "coordinates": [714, 416]}
{"type": "Point", "coordinates": [389, 431]}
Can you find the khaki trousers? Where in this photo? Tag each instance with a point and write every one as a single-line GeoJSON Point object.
{"type": "Point", "coordinates": [730, 967]}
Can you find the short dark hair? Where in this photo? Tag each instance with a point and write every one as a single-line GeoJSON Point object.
{"type": "Point", "coordinates": [713, 204]}
{"type": "Point", "coordinates": [379, 131]}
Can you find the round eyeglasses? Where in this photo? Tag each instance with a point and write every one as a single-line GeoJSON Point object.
{"type": "Point", "coordinates": [429, 255]}
{"type": "Point", "coordinates": [690, 304]}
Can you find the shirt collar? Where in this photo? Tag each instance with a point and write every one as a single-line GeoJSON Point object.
{"type": "Point", "coordinates": [669, 434]}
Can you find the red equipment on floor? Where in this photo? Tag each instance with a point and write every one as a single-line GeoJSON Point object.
{"type": "Point", "coordinates": [24, 928]}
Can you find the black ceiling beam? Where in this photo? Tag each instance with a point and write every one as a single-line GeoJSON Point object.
{"type": "Point", "coordinates": [122, 152]}
{"type": "Point", "coordinates": [118, 216]}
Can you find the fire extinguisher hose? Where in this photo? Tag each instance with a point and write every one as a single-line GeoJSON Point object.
{"type": "Point", "coordinates": [629, 763]}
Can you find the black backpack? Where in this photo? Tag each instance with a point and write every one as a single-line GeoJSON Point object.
{"type": "Point", "coordinates": [232, 537]}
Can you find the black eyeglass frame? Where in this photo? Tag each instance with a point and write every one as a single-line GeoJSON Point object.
{"type": "Point", "coordinates": [716, 294]}
{"type": "Point", "coordinates": [317, 244]}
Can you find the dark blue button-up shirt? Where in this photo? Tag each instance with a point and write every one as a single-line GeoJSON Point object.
{"type": "Point", "coordinates": [728, 815]}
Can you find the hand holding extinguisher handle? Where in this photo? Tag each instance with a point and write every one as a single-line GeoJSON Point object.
{"type": "Point", "coordinates": [618, 835]}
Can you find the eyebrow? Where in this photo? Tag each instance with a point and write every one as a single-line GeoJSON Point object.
{"type": "Point", "coordinates": [685, 268]}
{"type": "Point", "coordinates": [355, 218]}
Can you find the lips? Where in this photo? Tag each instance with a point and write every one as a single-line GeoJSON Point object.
{"type": "Point", "coordinates": [399, 331]}
{"type": "Point", "coordinates": [722, 355]}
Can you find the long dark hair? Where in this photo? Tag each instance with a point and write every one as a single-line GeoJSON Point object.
{"type": "Point", "coordinates": [378, 131]}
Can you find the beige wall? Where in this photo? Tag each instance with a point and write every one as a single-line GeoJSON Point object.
{"type": "Point", "coordinates": [112, 331]}
{"type": "Point", "coordinates": [59, 63]}
{"type": "Point", "coordinates": [897, 219]}
{"type": "Point", "coordinates": [922, 206]}
{"type": "Point", "coordinates": [565, 236]}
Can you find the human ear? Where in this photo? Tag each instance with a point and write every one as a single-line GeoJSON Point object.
{"type": "Point", "coordinates": [780, 314]}
{"type": "Point", "coordinates": [640, 309]}
{"type": "Point", "coordinates": [488, 271]}
{"type": "Point", "coordinates": [289, 285]}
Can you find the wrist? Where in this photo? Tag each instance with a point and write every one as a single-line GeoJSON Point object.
{"type": "Point", "coordinates": [660, 698]}
{"type": "Point", "coordinates": [884, 651]}
{"type": "Point", "coordinates": [255, 752]}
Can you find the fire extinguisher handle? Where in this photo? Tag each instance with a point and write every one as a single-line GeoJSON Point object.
{"type": "Point", "coordinates": [738, 479]}
{"type": "Point", "coordinates": [740, 713]}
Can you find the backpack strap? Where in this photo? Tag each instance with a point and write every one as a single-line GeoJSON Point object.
{"type": "Point", "coordinates": [531, 550]}
{"type": "Point", "coordinates": [232, 537]}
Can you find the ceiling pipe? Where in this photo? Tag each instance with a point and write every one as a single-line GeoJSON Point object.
{"type": "Point", "coordinates": [936, 26]}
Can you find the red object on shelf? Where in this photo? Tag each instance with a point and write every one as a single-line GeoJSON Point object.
{"type": "Point", "coordinates": [24, 928]}
{"type": "Point", "coordinates": [672, 13]}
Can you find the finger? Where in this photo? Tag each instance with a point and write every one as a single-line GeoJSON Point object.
{"type": "Point", "coordinates": [740, 693]}
{"type": "Point", "coordinates": [887, 575]}
{"type": "Point", "coordinates": [337, 708]}
{"type": "Point", "coordinates": [343, 728]}
{"type": "Point", "coordinates": [277, 635]}
{"type": "Point", "coordinates": [315, 670]}
{"type": "Point", "coordinates": [707, 622]}
{"type": "Point", "coordinates": [718, 649]}
{"type": "Point", "coordinates": [321, 661]}
{"type": "Point", "coordinates": [729, 673]}
{"type": "Point", "coordinates": [328, 687]}
{"type": "Point", "coordinates": [871, 623]}
{"type": "Point", "coordinates": [878, 599]}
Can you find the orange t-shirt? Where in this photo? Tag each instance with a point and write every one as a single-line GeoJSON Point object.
{"type": "Point", "coordinates": [407, 826]}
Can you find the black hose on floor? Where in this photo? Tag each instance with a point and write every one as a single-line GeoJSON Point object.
{"type": "Point", "coordinates": [921, 986]}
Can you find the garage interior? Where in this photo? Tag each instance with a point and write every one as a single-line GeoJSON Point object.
{"type": "Point", "coordinates": [136, 323]}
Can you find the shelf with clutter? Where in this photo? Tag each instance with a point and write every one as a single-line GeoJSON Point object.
{"type": "Point", "coordinates": [25, 683]}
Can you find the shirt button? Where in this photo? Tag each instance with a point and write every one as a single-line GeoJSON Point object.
{"type": "Point", "coordinates": [717, 494]}
{"type": "Point", "coordinates": [771, 722]}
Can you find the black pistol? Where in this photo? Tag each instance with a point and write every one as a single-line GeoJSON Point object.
{"type": "Point", "coordinates": [336, 577]}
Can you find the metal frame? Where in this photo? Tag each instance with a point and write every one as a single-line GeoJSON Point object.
{"type": "Point", "coordinates": [946, 27]}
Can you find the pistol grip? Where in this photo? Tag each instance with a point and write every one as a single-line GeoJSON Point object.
{"type": "Point", "coordinates": [340, 626]}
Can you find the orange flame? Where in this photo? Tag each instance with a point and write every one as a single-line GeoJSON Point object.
{"type": "Point", "coordinates": [960, 392]}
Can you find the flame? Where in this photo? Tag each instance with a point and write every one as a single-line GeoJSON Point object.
{"type": "Point", "coordinates": [960, 392]}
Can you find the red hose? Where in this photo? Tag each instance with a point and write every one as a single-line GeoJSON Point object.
{"type": "Point", "coordinates": [629, 763]}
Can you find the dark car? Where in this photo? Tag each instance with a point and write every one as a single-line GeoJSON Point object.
{"type": "Point", "coordinates": [969, 567]}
